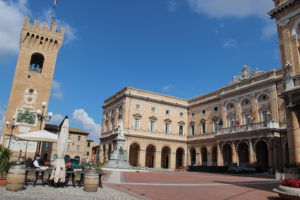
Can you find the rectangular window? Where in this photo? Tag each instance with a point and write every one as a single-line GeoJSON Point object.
{"type": "Point", "coordinates": [203, 127]}
{"type": "Point", "coordinates": [180, 129]}
{"type": "Point", "coordinates": [137, 123]}
{"type": "Point", "coordinates": [215, 126]}
{"type": "Point", "coordinates": [181, 114]}
{"type": "Point", "coordinates": [167, 127]}
{"type": "Point", "coordinates": [137, 106]}
{"type": "Point", "coordinates": [247, 119]}
{"type": "Point", "coordinates": [203, 112]}
{"type": "Point", "coordinates": [87, 153]}
{"type": "Point", "coordinates": [192, 129]}
{"type": "Point", "coordinates": [216, 109]}
{"type": "Point", "coordinates": [153, 109]}
{"type": "Point", "coordinates": [193, 114]}
{"type": "Point", "coordinates": [167, 112]}
{"type": "Point", "coordinates": [78, 148]}
{"type": "Point", "coordinates": [88, 144]}
{"type": "Point", "coordinates": [69, 136]}
{"type": "Point", "coordinates": [152, 126]}
{"type": "Point", "coordinates": [78, 138]}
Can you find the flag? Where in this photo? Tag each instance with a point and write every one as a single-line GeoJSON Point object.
{"type": "Point", "coordinates": [55, 2]}
{"type": "Point", "coordinates": [236, 122]}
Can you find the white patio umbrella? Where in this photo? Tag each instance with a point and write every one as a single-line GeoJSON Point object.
{"type": "Point", "coordinates": [59, 166]}
{"type": "Point", "coordinates": [38, 136]}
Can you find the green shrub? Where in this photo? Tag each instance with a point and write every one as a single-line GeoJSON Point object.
{"type": "Point", "coordinates": [5, 155]}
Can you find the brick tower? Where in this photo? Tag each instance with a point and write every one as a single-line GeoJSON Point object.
{"type": "Point", "coordinates": [287, 15]}
{"type": "Point", "coordinates": [38, 49]}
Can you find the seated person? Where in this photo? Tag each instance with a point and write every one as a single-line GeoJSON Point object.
{"type": "Point", "coordinates": [36, 162]}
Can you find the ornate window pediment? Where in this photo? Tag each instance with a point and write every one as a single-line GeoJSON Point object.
{"type": "Point", "coordinates": [137, 115]}
{"type": "Point", "coordinates": [168, 120]}
{"type": "Point", "coordinates": [181, 122]}
{"type": "Point", "coordinates": [153, 118]}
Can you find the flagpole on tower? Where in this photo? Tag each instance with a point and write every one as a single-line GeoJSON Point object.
{"type": "Point", "coordinates": [53, 18]}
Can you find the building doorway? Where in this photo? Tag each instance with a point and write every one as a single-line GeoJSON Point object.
{"type": "Point", "coordinates": [150, 156]}
{"type": "Point", "coordinates": [179, 158]}
{"type": "Point", "coordinates": [165, 157]}
{"type": "Point", "coordinates": [227, 154]}
{"type": "Point", "coordinates": [134, 151]}
{"type": "Point", "coordinates": [262, 155]}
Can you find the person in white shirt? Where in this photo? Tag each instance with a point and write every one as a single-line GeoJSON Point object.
{"type": "Point", "coordinates": [36, 162]}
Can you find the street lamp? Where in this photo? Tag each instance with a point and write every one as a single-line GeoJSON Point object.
{"type": "Point", "coordinates": [11, 127]}
{"type": "Point", "coordinates": [41, 116]}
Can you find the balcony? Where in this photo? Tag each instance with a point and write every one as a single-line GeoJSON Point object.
{"type": "Point", "coordinates": [249, 127]}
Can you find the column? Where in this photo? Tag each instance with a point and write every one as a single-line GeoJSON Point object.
{"type": "Point", "coordinates": [157, 163]}
{"type": "Point", "coordinates": [274, 106]}
{"type": "Point", "coordinates": [220, 156]}
{"type": "Point", "coordinates": [235, 158]}
{"type": "Point", "coordinates": [173, 160]}
{"type": "Point", "coordinates": [252, 158]}
{"type": "Point", "coordinates": [254, 113]}
{"type": "Point", "coordinates": [142, 157]}
{"type": "Point", "coordinates": [293, 136]}
{"type": "Point", "coordinates": [209, 156]}
{"type": "Point", "coordinates": [198, 156]}
{"type": "Point", "coordinates": [271, 154]}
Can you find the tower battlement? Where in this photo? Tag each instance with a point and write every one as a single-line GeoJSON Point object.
{"type": "Point", "coordinates": [43, 37]}
{"type": "Point", "coordinates": [45, 29]}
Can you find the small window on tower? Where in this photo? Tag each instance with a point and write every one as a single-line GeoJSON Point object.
{"type": "Point", "coordinates": [36, 63]}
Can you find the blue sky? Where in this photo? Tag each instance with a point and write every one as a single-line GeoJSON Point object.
{"type": "Point", "coordinates": [183, 48]}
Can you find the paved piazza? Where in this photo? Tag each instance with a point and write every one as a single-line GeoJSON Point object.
{"type": "Point", "coordinates": [160, 185]}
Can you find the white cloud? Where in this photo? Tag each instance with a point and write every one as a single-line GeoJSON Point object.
{"type": "Point", "coordinates": [167, 87]}
{"type": "Point", "coordinates": [12, 15]}
{"type": "Point", "coordinates": [81, 117]}
{"type": "Point", "coordinates": [236, 9]}
{"type": "Point", "coordinates": [56, 90]}
{"type": "Point", "coordinates": [172, 5]}
{"type": "Point", "coordinates": [57, 118]}
{"type": "Point", "coordinates": [269, 30]}
{"type": "Point", "coordinates": [70, 32]}
{"type": "Point", "coordinates": [229, 43]}
{"type": "Point", "coordinates": [231, 8]}
{"type": "Point", "coordinates": [11, 20]}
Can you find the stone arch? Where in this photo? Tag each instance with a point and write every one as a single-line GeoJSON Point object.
{"type": "Point", "coordinates": [165, 157]}
{"type": "Point", "coordinates": [243, 153]}
{"type": "Point", "coordinates": [227, 154]}
{"type": "Point", "coordinates": [262, 154]}
{"type": "Point", "coordinates": [179, 158]}
{"type": "Point", "coordinates": [150, 156]}
{"type": "Point", "coordinates": [134, 151]}
{"type": "Point", "coordinates": [36, 62]}
{"type": "Point", "coordinates": [193, 156]}
{"type": "Point", "coordinates": [214, 155]}
{"type": "Point", "coordinates": [262, 98]}
{"type": "Point", "coordinates": [203, 156]}
{"type": "Point", "coordinates": [230, 106]}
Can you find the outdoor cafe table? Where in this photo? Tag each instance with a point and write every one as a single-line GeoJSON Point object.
{"type": "Point", "coordinates": [39, 174]}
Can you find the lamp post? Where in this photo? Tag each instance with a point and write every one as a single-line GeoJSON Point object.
{"type": "Point", "coordinates": [42, 117]}
{"type": "Point", "coordinates": [11, 127]}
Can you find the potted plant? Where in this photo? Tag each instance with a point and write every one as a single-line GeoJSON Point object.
{"type": "Point", "coordinates": [5, 155]}
{"type": "Point", "coordinates": [289, 189]}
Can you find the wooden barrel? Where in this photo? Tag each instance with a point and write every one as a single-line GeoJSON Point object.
{"type": "Point", "coordinates": [15, 178]}
{"type": "Point", "coordinates": [91, 181]}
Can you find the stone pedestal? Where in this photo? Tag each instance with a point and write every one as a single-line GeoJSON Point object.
{"type": "Point", "coordinates": [118, 158]}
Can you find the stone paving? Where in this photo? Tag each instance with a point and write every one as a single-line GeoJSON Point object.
{"type": "Point", "coordinates": [190, 185]}
{"type": "Point", "coordinates": [160, 185]}
{"type": "Point", "coordinates": [68, 193]}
